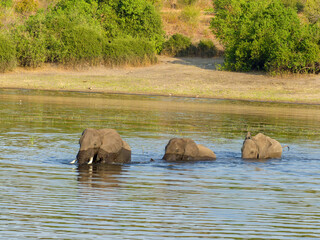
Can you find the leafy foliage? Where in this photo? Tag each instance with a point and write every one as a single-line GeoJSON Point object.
{"type": "Point", "coordinates": [312, 11]}
{"type": "Point", "coordinates": [179, 45]}
{"type": "Point", "coordinates": [6, 3]}
{"type": "Point", "coordinates": [74, 35]}
{"type": "Point", "coordinates": [135, 18]}
{"type": "Point", "coordinates": [206, 48]}
{"type": "Point", "coordinates": [30, 40]}
{"type": "Point", "coordinates": [129, 51]}
{"type": "Point", "coordinates": [7, 54]}
{"type": "Point", "coordinates": [76, 31]}
{"type": "Point", "coordinates": [26, 6]}
{"type": "Point", "coordinates": [265, 35]}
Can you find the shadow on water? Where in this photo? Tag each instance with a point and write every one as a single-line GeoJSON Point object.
{"type": "Point", "coordinates": [100, 175]}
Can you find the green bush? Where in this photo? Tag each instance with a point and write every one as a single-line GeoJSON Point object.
{"type": "Point", "coordinates": [312, 11]}
{"type": "Point", "coordinates": [30, 40]}
{"type": "Point", "coordinates": [74, 34]}
{"type": "Point", "coordinates": [7, 54]}
{"type": "Point", "coordinates": [177, 45]}
{"type": "Point", "coordinates": [26, 6]}
{"type": "Point", "coordinates": [129, 51]}
{"type": "Point", "coordinates": [206, 48]}
{"type": "Point", "coordinates": [31, 50]}
{"type": "Point", "coordinates": [296, 4]}
{"type": "Point", "coordinates": [136, 18]}
{"type": "Point", "coordinates": [74, 31]}
{"type": "Point", "coordinates": [265, 35]}
{"type": "Point", "coordinates": [6, 3]}
{"type": "Point", "coordinates": [80, 45]}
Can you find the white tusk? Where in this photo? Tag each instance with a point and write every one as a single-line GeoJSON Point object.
{"type": "Point", "coordinates": [73, 161]}
{"type": "Point", "coordinates": [91, 160]}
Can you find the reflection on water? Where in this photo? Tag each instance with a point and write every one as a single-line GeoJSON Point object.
{"type": "Point", "coordinates": [43, 196]}
{"type": "Point", "coordinates": [100, 175]}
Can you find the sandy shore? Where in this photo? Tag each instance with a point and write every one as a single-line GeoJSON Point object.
{"type": "Point", "coordinates": [192, 77]}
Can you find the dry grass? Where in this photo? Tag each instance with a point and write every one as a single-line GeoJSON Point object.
{"type": "Point", "coordinates": [175, 20]}
{"type": "Point", "coordinates": [193, 77]}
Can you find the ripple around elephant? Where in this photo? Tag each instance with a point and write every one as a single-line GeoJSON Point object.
{"type": "Point", "coordinates": [185, 149]}
{"type": "Point", "coordinates": [103, 146]}
{"type": "Point", "coordinates": [260, 147]}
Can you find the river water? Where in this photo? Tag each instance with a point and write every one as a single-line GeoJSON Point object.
{"type": "Point", "coordinates": [45, 197]}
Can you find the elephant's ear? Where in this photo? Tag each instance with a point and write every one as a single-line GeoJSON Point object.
{"type": "Point", "coordinates": [111, 141]}
{"type": "Point", "coordinates": [263, 143]}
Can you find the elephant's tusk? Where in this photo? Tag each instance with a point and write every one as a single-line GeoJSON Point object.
{"type": "Point", "coordinates": [72, 162]}
{"type": "Point", "coordinates": [91, 160]}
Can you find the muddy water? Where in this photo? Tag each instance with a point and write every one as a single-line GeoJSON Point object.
{"type": "Point", "coordinates": [45, 197]}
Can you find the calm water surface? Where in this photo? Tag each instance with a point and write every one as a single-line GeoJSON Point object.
{"type": "Point", "coordinates": [44, 197]}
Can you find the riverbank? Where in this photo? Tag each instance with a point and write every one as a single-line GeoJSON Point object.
{"type": "Point", "coordinates": [191, 77]}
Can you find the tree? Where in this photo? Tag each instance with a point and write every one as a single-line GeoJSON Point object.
{"type": "Point", "coordinates": [265, 35]}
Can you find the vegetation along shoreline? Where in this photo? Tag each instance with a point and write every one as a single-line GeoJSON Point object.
{"type": "Point", "coordinates": [181, 77]}
{"type": "Point", "coordinates": [246, 47]}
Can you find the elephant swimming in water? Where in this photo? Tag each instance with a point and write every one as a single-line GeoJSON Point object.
{"type": "Point", "coordinates": [260, 147]}
{"type": "Point", "coordinates": [185, 149]}
{"type": "Point", "coordinates": [102, 146]}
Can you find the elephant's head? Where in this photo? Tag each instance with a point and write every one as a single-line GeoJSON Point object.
{"type": "Point", "coordinates": [103, 146]}
{"type": "Point", "coordinates": [181, 149]}
{"type": "Point", "coordinates": [90, 143]}
{"type": "Point", "coordinates": [249, 149]}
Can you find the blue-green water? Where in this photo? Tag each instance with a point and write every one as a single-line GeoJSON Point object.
{"type": "Point", "coordinates": [45, 197]}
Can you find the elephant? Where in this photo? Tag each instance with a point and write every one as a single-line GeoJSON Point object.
{"type": "Point", "coordinates": [260, 147]}
{"type": "Point", "coordinates": [102, 146]}
{"type": "Point", "coordinates": [185, 149]}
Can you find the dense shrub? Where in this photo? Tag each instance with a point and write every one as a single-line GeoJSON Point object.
{"type": "Point", "coordinates": [7, 54]}
{"type": "Point", "coordinates": [177, 45]}
{"type": "Point", "coordinates": [80, 45]}
{"type": "Point", "coordinates": [312, 11]}
{"type": "Point", "coordinates": [129, 51]}
{"type": "Point", "coordinates": [136, 18]}
{"type": "Point", "coordinates": [6, 3]}
{"type": "Point", "coordinates": [75, 31]}
{"type": "Point", "coordinates": [74, 35]}
{"type": "Point", "coordinates": [295, 4]}
{"type": "Point", "coordinates": [31, 50]}
{"type": "Point", "coordinates": [30, 40]}
{"type": "Point", "coordinates": [265, 35]}
{"type": "Point", "coordinates": [26, 6]}
{"type": "Point", "coordinates": [206, 48]}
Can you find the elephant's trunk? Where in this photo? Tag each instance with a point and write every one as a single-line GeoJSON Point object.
{"type": "Point", "coordinates": [86, 156]}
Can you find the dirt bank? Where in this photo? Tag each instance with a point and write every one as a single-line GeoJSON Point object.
{"type": "Point", "coordinates": [194, 77]}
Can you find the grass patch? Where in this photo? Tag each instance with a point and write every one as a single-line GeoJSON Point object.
{"type": "Point", "coordinates": [7, 54]}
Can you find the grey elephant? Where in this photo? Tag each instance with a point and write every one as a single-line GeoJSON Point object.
{"type": "Point", "coordinates": [260, 147]}
{"type": "Point", "coordinates": [185, 149]}
{"type": "Point", "coordinates": [102, 146]}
